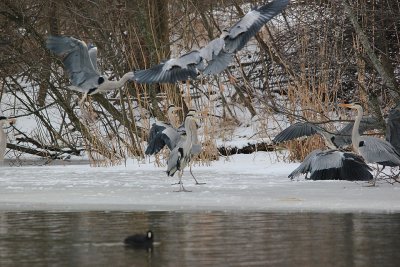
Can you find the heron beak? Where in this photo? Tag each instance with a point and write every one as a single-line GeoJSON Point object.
{"type": "Point", "coordinates": [345, 105]}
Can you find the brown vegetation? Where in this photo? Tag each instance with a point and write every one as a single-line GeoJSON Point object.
{"type": "Point", "coordinates": [318, 54]}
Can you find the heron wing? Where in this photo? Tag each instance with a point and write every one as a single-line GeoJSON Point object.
{"type": "Point", "coordinates": [297, 130]}
{"type": "Point", "coordinates": [168, 137]}
{"type": "Point", "coordinates": [240, 33]}
{"type": "Point", "coordinates": [376, 150]}
{"type": "Point", "coordinates": [171, 71]}
{"type": "Point", "coordinates": [338, 165]}
{"type": "Point", "coordinates": [305, 166]}
{"type": "Point", "coordinates": [93, 57]}
{"type": "Point", "coordinates": [75, 56]}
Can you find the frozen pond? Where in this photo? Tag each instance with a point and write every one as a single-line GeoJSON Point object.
{"type": "Point", "coordinates": [243, 183]}
{"type": "Point", "coordinates": [39, 238]}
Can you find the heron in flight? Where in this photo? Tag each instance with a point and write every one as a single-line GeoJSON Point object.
{"type": "Point", "coordinates": [217, 54]}
{"type": "Point", "coordinates": [372, 149]}
{"type": "Point", "coordinates": [182, 154]}
{"type": "Point", "coordinates": [81, 64]}
{"type": "Point", "coordinates": [3, 137]}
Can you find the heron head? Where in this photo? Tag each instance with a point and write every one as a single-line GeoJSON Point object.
{"type": "Point", "coordinates": [173, 108]}
{"type": "Point", "coordinates": [353, 105]}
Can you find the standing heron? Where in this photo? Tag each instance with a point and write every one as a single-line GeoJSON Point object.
{"type": "Point", "coordinates": [181, 155]}
{"type": "Point", "coordinates": [217, 54]}
{"type": "Point", "coordinates": [3, 137]}
{"type": "Point", "coordinates": [81, 64]}
{"type": "Point", "coordinates": [166, 134]}
{"type": "Point", "coordinates": [329, 164]}
{"type": "Point", "coordinates": [372, 149]}
{"type": "Point", "coordinates": [340, 139]}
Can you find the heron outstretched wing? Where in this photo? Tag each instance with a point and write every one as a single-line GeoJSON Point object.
{"type": "Point", "coordinates": [75, 56]}
{"type": "Point", "coordinates": [172, 70]}
{"type": "Point", "coordinates": [93, 56]}
{"type": "Point", "coordinates": [338, 165]}
{"type": "Point", "coordinates": [305, 166]}
{"type": "Point", "coordinates": [161, 136]}
{"type": "Point", "coordinates": [239, 34]}
{"type": "Point", "coordinates": [297, 130]}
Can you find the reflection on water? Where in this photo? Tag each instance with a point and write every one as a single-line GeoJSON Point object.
{"type": "Point", "coordinates": [199, 239]}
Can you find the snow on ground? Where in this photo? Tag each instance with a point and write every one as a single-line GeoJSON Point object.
{"type": "Point", "coordinates": [241, 182]}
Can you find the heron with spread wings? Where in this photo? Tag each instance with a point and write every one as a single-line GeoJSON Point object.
{"type": "Point", "coordinates": [216, 56]}
{"type": "Point", "coordinates": [80, 61]}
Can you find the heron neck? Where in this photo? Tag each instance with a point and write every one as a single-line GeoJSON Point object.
{"type": "Point", "coordinates": [3, 143]}
{"type": "Point", "coordinates": [171, 118]}
{"type": "Point", "coordinates": [111, 85]}
{"type": "Point", "coordinates": [355, 134]}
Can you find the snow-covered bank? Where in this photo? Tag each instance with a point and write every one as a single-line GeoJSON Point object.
{"type": "Point", "coordinates": [243, 182]}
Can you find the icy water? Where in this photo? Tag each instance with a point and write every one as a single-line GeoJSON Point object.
{"type": "Point", "coordinates": [200, 239]}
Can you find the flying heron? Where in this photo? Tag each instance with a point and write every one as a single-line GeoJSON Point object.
{"type": "Point", "coordinates": [372, 149]}
{"type": "Point", "coordinates": [181, 155]}
{"type": "Point", "coordinates": [217, 54]}
{"type": "Point", "coordinates": [3, 137]}
{"type": "Point", "coordinates": [81, 64]}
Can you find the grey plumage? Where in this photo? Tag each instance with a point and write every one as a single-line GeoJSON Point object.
{"type": "Point", "coordinates": [372, 149]}
{"type": "Point", "coordinates": [340, 139]}
{"type": "Point", "coordinates": [239, 34]}
{"type": "Point", "coordinates": [333, 165]}
{"type": "Point", "coordinates": [216, 56]}
{"type": "Point", "coordinates": [181, 155]}
{"type": "Point", "coordinates": [393, 128]}
{"type": "Point", "coordinates": [81, 69]}
{"type": "Point", "coordinates": [164, 134]}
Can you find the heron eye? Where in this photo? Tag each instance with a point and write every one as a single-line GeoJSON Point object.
{"type": "Point", "coordinates": [100, 80]}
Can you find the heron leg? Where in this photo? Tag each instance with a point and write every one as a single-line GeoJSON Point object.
{"type": "Point", "coordinates": [378, 171]}
{"type": "Point", "coordinates": [83, 99]}
{"type": "Point", "coordinates": [191, 173]}
{"type": "Point", "coordinates": [181, 187]}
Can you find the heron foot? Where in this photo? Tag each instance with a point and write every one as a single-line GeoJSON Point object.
{"type": "Point", "coordinates": [182, 188]}
{"type": "Point", "coordinates": [197, 183]}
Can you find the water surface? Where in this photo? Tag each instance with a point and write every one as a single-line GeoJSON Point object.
{"type": "Point", "coordinates": [200, 239]}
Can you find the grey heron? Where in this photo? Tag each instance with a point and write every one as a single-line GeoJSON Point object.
{"type": "Point", "coordinates": [340, 139]}
{"type": "Point", "coordinates": [140, 240]}
{"type": "Point", "coordinates": [3, 137]}
{"type": "Point", "coordinates": [333, 164]}
{"type": "Point", "coordinates": [81, 65]}
{"type": "Point", "coordinates": [217, 54]}
{"type": "Point", "coordinates": [165, 134]}
{"type": "Point", "coordinates": [372, 149]}
{"type": "Point", "coordinates": [181, 155]}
